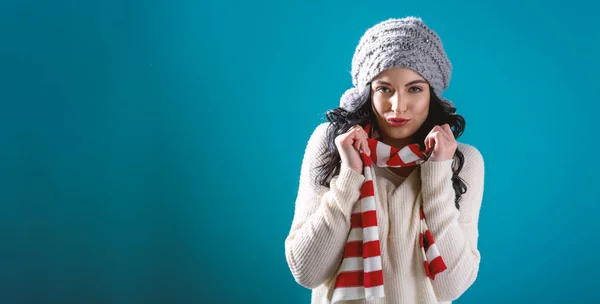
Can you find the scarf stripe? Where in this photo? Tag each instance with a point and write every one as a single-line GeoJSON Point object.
{"type": "Point", "coordinates": [433, 262]}
{"type": "Point", "coordinates": [360, 275]}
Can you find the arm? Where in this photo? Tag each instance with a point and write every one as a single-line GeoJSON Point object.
{"type": "Point", "coordinates": [315, 244]}
{"type": "Point", "coordinates": [455, 231]}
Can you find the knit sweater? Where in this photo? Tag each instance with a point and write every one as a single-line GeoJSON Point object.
{"type": "Point", "coordinates": [321, 223]}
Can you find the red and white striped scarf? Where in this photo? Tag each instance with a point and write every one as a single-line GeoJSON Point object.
{"type": "Point", "coordinates": [360, 275]}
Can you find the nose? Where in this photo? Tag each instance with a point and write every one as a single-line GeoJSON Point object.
{"type": "Point", "coordinates": [398, 104]}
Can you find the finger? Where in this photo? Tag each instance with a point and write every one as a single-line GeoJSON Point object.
{"type": "Point", "coordinates": [366, 142]}
{"type": "Point", "coordinates": [361, 140]}
{"type": "Point", "coordinates": [442, 131]}
{"type": "Point", "coordinates": [448, 130]}
{"type": "Point", "coordinates": [440, 138]}
{"type": "Point", "coordinates": [356, 142]}
{"type": "Point", "coordinates": [429, 140]}
{"type": "Point", "coordinates": [443, 134]}
{"type": "Point", "coordinates": [437, 139]}
{"type": "Point", "coordinates": [353, 128]}
{"type": "Point", "coordinates": [434, 141]}
{"type": "Point", "coordinates": [435, 128]}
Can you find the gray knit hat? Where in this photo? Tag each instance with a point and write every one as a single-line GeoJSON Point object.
{"type": "Point", "coordinates": [398, 43]}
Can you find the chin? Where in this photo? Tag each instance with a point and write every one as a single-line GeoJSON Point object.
{"type": "Point", "coordinates": [398, 133]}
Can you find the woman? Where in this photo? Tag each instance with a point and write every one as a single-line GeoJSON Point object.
{"type": "Point", "coordinates": [367, 229]}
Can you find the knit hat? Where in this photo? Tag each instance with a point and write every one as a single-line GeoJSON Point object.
{"type": "Point", "coordinates": [398, 43]}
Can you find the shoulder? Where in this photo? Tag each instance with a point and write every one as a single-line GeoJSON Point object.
{"type": "Point", "coordinates": [470, 151]}
{"type": "Point", "coordinates": [317, 141]}
{"type": "Point", "coordinates": [473, 160]}
{"type": "Point", "coordinates": [318, 136]}
{"type": "Point", "coordinates": [320, 130]}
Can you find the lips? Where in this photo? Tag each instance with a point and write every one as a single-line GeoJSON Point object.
{"type": "Point", "coordinates": [397, 122]}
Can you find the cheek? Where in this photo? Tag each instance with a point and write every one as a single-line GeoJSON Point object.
{"type": "Point", "coordinates": [422, 109]}
{"type": "Point", "coordinates": [378, 107]}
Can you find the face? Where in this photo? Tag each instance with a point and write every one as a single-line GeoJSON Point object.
{"type": "Point", "coordinates": [400, 100]}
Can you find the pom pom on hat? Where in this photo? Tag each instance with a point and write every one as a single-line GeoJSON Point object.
{"type": "Point", "coordinates": [350, 99]}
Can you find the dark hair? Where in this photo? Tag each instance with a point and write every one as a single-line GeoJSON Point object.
{"type": "Point", "coordinates": [341, 120]}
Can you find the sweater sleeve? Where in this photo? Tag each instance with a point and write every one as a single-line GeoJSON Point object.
{"type": "Point", "coordinates": [455, 231]}
{"type": "Point", "coordinates": [315, 244]}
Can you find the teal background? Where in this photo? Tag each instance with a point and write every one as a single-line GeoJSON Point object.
{"type": "Point", "coordinates": [150, 150]}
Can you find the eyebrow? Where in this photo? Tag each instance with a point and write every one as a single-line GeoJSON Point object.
{"type": "Point", "coordinates": [408, 84]}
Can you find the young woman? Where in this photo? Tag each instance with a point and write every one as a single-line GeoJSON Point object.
{"type": "Point", "coordinates": [388, 202]}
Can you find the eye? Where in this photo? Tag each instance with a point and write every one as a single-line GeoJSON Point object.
{"type": "Point", "coordinates": [383, 89]}
{"type": "Point", "coordinates": [415, 90]}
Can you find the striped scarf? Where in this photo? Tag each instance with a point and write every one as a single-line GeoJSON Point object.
{"type": "Point", "coordinates": [360, 275]}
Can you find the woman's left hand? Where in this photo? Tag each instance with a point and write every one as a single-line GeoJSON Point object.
{"type": "Point", "coordinates": [445, 143]}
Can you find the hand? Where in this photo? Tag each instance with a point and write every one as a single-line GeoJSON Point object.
{"type": "Point", "coordinates": [349, 144]}
{"type": "Point", "coordinates": [445, 143]}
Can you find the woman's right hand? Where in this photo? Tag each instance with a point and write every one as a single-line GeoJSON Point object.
{"type": "Point", "coordinates": [349, 144]}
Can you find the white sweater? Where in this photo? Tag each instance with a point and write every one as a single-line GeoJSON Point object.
{"type": "Point", "coordinates": [315, 244]}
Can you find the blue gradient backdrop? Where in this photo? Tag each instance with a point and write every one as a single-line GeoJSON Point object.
{"type": "Point", "coordinates": [150, 150]}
